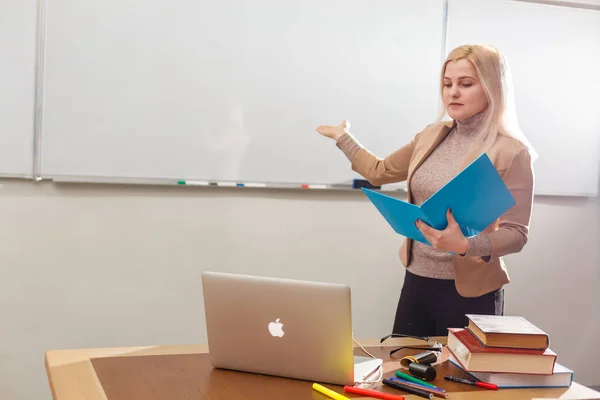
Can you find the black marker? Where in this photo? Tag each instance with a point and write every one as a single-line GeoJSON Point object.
{"type": "Point", "coordinates": [404, 388]}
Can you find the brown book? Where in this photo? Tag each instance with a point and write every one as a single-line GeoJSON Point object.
{"type": "Point", "coordinates": [474, 357]}
{"type": "Point", "coordinates": [507, 331]}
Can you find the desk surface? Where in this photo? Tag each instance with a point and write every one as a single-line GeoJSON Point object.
{"type": "Point", "coordinates": [184, 372]}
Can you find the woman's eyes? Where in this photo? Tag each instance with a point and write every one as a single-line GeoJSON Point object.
{"type": "Point", "coordinates": [465, 85]}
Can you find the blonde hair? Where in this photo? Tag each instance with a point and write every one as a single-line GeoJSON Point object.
{"type": "Point", "coordinates": [500, 118]}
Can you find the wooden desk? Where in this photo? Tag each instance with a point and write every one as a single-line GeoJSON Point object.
{"type": "Point", "coordinates": [184, 372]}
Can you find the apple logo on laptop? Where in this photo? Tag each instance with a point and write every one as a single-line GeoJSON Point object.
{"type": "Point", "coordinates": [276, 328]}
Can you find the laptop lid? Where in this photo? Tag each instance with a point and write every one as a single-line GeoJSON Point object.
{"type": "Point", "coordinates": [282, 327]}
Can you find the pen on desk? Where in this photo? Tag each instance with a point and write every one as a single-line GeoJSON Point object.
{"type": "Point", "coordinates": [329, 392]}
{"type": "Point", "coordinates": [485, 385]}
{"type": "Point", "coordinates": [411, 378]}
{"type": "Point", "coordinates": [372, 393]}
{"type": "Point", "coordinates": [408, 389]}
{"type": "Point", "coordinates": [435, 391]}
{"type": "Point", "coordinates": [419, 384]}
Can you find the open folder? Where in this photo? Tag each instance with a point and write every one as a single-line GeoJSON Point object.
{"type": "Point", "coordinates": [477, 197]}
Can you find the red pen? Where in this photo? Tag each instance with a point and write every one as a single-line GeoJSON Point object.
{"type": "Point", "coordinates": [372, 393]}
{"type": "Point", "coordinates": [484, 385]}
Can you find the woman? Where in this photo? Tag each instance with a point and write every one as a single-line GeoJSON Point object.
{"type": "Point", "coordinates": [456, 275]}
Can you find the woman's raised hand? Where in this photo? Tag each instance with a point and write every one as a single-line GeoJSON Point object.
{"type": "Point", "coordinates": [334, 132]}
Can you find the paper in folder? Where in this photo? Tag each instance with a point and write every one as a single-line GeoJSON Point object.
{"type": "Point", "coordinates": [477, 197]}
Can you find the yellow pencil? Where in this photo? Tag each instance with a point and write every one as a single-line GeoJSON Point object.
{"type": "Point", "coordinates": [328, 392]}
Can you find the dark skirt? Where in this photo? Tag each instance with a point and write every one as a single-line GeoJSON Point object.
{"type": "Point", "coordinates": [428, 306]}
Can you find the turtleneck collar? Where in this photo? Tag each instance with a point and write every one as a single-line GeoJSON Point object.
{"type": "Point", "coordinates": [471, 125]}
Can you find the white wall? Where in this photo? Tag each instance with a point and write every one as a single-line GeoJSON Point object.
{"type": "Point", "coordinates": [91, 266]}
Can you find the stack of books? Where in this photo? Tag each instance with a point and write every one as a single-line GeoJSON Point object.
{"type": "Point", "coordinates": [508, 351]}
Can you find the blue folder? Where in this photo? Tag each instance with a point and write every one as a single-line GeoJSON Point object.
{"type": "Point", "coordinates": [477, 197]}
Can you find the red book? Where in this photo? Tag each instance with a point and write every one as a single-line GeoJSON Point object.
{"type": "Point", "coordinates": [474, 357]}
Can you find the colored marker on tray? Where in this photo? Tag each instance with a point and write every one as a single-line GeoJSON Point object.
{"type": "Point", "coordinates": [194, 183]}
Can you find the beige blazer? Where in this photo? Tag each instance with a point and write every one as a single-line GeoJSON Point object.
{"type": "Point", "coordinates": [474, 276]}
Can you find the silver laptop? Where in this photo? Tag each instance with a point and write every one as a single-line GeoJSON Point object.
{"type": "Point", "coordinates": [282, 327]}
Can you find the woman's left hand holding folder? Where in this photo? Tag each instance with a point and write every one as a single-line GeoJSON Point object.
{"type": "Point", "coordinates": [450, 239]}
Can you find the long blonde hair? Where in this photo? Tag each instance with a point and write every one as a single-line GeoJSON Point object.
{"type": "Point", "coordinates": [500, 118]}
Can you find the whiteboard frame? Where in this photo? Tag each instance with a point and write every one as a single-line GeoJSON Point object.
{"type": "Point", "coordinates": [39, 90]}
{"type": "Point", "coordinates": [39, 131]}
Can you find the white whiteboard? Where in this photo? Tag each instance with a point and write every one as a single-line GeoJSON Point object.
{"type": "Point", "coordinates": [554, 53]}
{"type": "Point", "coordinates": [233, 90]}
{"type": "Point", "coordinates": [17, 86]}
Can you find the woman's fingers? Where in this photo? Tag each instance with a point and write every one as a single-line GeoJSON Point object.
{"type": "Point", "coordinates": [346, 126]}
{"type": "Point", "coordinates": [451, 220]}
{"type": "Point", "coordinates": [426, 229]}
{"type": "Point", "coordinates": [334, 132]}
{"type": "Point", "coordinates": [327, 130]}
